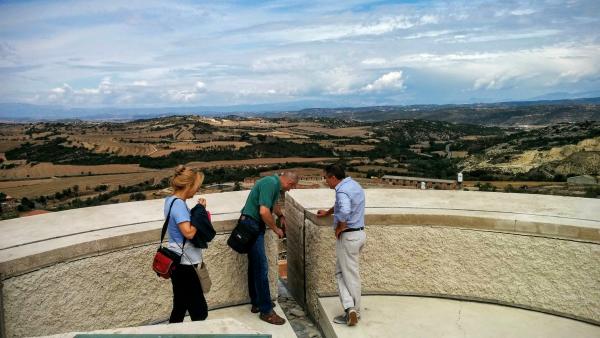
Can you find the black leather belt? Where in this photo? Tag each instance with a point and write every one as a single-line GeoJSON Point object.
{"type": "Point", "coordinates": [354, 229]}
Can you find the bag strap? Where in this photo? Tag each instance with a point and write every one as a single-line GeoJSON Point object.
{"type": "Point", "coordinates": [164, 228]}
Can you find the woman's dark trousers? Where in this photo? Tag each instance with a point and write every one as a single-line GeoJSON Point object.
{"type": "Point", "coordinates": [187, 295]}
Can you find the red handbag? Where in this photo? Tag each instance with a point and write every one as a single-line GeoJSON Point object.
{"type": "Point", "coordinates": [165, 260]}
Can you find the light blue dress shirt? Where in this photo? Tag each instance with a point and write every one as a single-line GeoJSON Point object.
{"type": "Point", "coordinates": [349, 204]}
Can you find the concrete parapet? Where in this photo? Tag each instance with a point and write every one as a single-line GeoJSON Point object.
{"type": "Point", "coordinates": [90, 268]}
{"type": "Point", "coordinates": [536, 252]}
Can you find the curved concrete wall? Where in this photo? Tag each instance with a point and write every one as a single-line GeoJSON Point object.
{"type": "Point", "coordinates": [90, 268]}
{"type": "Point", "coordinates": [535, 252]}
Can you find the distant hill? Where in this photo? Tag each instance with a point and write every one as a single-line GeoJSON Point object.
{"type": "Point", "coordinates": [493, 114]}
{"type": "Point", "coordinates": [562, 149]}
{"type": "Point", "coordinates": [29, 112]}
{"type": "Point", "coordinates": [544, 112]}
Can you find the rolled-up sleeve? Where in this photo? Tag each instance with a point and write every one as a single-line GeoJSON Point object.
{"type": "Point", "coordinates": [344, 207]}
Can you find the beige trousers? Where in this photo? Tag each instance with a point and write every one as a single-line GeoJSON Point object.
{"type": "Point", "coordinates": [347, 274]}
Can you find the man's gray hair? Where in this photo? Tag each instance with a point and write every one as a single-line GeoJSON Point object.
{"type": "Point", "coordinates": [291, 175]}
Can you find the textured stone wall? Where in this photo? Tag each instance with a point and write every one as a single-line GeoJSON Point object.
{"type": "Point", "coordinates": [554, 275]}
{"type": "Point", "coordinates": [117, 289]}
{"type": "Point", "coordinates": [294, 214]}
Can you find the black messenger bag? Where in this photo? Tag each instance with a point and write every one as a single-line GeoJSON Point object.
{"type": "Point", "coordinates": [244, 234]}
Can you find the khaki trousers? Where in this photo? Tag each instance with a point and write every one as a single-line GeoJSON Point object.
{"type": "Point", "coordinates": [347, 274]}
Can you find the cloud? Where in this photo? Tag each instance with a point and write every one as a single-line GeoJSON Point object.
{"type": "Point", "coordinates": [200, 86]}
{"type": "Point", "coordinates": [523, 11]}
{"type": "Point", "coordinates": [106, 93]}
{"type": "Point", "coordinates": [428, 34]}
{"type": "Point", "coordinates": [500, 36]}
{"type": "Point", "coordinates": [389, 81]}
{"type": "Point", "coordinates": [346, 30]}
{"type": "Point", "coordinates": [374, 62]}
{"type": "Point", "coordinates": [186, 95]}
{"type": "Point", "coordinates": [140, 83]}
{"type": "Point", "coordinates": [339, 80]}
{"type": "Point", "coordinates": [152, 53]}
{"type": "Point", "coordinates": [62, 90]}
{"type": "Point", "coordinates": [278, 63]}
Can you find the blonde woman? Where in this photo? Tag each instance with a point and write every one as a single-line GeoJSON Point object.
{"type": "Point", "coordinates": [187, 291]}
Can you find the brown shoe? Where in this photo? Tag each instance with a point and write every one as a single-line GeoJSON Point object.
{"type": "Point", "coordinates": [352, 317]}
{"type": "Point", "coordinates": [255, 309]}
{"type": "Point", "coordinates": [272, 318]}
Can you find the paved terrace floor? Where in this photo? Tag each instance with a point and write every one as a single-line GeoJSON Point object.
{"type": "Point", "coordinates": [402, 316]}
{"type": "Point", "coordinates": [231, 320]}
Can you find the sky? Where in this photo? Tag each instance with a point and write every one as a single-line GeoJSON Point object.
{"type": "Point", "coordinates": [323, 53]}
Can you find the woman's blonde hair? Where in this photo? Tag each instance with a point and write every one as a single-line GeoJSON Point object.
{"type": "Point", "coordinates": [185, 177]}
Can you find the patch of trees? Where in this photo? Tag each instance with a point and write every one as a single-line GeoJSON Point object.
{"type": "Point", "coordinates": [532, 175]}
{"type": "Point", "coordinates": [67, 193]}
{"type": "Point", "coordinates": [203, 128]}
{"type": "Point", "coordinates": [53, 151]}
{"type": "Point", "coordinates": [475, 146]}
{"type": "Point", "coordinates": [25, 205]}
{"type": "Point", "coordinates": [278, 148]}
{"type": "Point", "coordinates": [222, 175]}
{"type": "Point", "coordinates": [485, 186]}
{"type": "Point", "coordinates": [553, 136]}
{"type": "Point", "coordinates": [592, 192]}
{"type": "Point", "coordinates": [138, 196]}
{"type": "Point", "coordinates": [433, 167]}
{"type": "Point", "coordinates": [104, 198]}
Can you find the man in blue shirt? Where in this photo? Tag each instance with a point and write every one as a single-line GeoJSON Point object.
{"type": "Point", "coordinates": [349, 224]}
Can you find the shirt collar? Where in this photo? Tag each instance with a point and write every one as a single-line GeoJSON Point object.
{"type": "Point", "coordinates": [342, 182]}
{"type": "Point", "coordinates": [278, 182]}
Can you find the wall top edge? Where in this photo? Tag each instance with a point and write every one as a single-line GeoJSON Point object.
{"type": "Point", "coordinates": [32, 229]}
{"type": "Point", "coordinates": [552, 216]}
{"type": "Point", "coordinates": [513, 206]}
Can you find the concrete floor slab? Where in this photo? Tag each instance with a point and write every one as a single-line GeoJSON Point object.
{"type": "Point", "coordinates": [403, 316]}
{"type": "Point", "coordinates": [242, 313]}
{"type": "Point", "coordinates": [209, 326]}
{"type": "Point", "coordinates": [231, 320]}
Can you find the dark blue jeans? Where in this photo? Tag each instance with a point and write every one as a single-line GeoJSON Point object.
{"type": "Point", "coordinates": [258, 276]}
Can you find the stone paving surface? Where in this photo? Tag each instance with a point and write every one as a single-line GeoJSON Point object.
{"type": "Point", "coordinates": [406, 316]}
{"type": "Point", "coordinates": [303, 326]}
